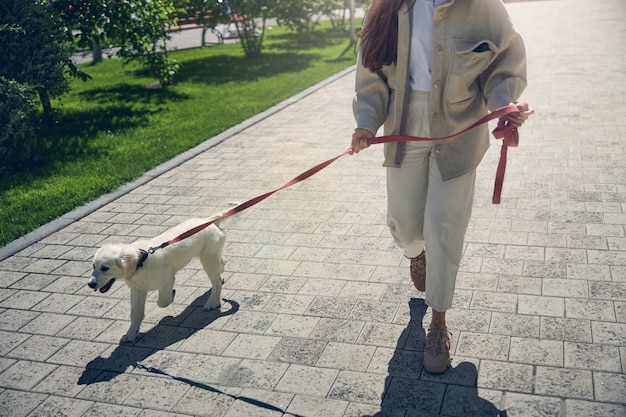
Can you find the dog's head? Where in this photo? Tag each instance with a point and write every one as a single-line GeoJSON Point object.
{"type": "Point", "coordinates": [112, 262]}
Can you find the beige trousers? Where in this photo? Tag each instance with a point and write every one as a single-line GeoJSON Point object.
{"type": "Point", "coordinates": [425, 212]}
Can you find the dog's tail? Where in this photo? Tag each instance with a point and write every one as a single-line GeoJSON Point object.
{"type": "Point", "coordinates": [218, 218]}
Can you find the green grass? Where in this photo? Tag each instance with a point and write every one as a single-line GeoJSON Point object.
{"type": "Point", "coordinates": [115, 127]}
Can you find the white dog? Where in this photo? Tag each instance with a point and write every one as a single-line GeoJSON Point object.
{"type": "Point", "coordinates": [144, 272]}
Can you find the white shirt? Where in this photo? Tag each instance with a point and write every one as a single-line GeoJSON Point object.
{"type": "Point", "coordinates": [421, 43]}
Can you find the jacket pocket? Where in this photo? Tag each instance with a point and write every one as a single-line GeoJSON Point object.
{"type": "Point", "coordinates": [469, 60]}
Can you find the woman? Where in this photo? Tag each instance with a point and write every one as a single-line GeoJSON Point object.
{"type": "Point", "coordinates": [431, 68]}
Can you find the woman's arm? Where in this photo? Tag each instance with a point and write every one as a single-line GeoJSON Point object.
{"type": "Point", "coordinates": [371, 98]}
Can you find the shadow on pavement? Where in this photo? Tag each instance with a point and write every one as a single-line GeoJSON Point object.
{"type": "Point", "coordinates": [412, 392]}
{"type": "Point", "coordinates": [166, 333]}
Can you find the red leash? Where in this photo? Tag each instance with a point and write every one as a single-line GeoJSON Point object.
{"type": "Point", "coordinates": [510, 137]}
{"type": "Point", "coordinates": [249, 203]}
{"type": "Point", "coordinates": [504, 131]}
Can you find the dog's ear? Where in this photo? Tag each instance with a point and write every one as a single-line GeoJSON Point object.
{"type": "Point", "coordinates": [129, 259]}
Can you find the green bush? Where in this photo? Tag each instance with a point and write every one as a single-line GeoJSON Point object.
{"type": "Point", "coordinates": [17, 118]}
{"type": "Point", "coordinates": [301, 16]}
{"type": "Point", "coordinates": [34, 49]}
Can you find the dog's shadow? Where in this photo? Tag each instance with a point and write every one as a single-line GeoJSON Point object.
{"type": "Point", "coordinates": [411, 391]}
{"type": "Point", "coordinates": [168, 331]}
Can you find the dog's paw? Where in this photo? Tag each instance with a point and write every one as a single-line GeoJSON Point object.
{"type": "Point", "coordinates": [208, 306]}
{"type": "Point", "coordinates": [128, 338]}
{"type": "Point", "coordinates": [161, 302]}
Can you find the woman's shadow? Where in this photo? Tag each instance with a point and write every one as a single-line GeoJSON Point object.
{"type": "Point", "coordinates": [168, 331]}
{"type": "Point", "coordinates": [411, 391]}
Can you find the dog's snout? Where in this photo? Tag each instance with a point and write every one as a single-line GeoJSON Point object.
{"type": "Point", "coordinates": [92, 283]}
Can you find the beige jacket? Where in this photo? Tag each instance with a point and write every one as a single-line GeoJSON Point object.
{"type": "Point", "coordinates": [478, 65]}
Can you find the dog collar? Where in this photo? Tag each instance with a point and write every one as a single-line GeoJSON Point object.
{"type": "Point", "coordinates": [144, 256]}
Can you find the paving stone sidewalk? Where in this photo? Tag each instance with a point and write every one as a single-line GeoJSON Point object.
{"type": "Point", "coordinates": [320, 318]}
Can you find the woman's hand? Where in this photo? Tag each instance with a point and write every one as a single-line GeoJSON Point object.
{"type": "Point", "coordinates": [517, 119]}
{"type": "Point", "coordinates": [359, 140]}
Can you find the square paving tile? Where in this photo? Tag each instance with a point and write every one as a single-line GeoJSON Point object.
{"type": "Point", "coordinates": [358, 387]}
{"type": "Point", "coordinates": [298, 350]}
{"type": "Point", "coordinates": [506, 376]}
{"type": "Point", "coordinates": [24, 375]}
{"type": "Point", "coordinates": [307, 380]}
{"type": "Point", "coordinates": [252, 346]}
{"type": "Point", "coordinates": [346, 356]}
{"type": "Point", "coordinates": [563, 382]}
{"type": "Point", "coordinates": [487, 346]}
{"type": "Point", "coordinates": [536, 351]}
{"type": "Point", "coordinates": [19, 403]}
{"type": "Point", "coordinates": [593, 357]}
{"type": "Point", "coordinates": [610, 387]}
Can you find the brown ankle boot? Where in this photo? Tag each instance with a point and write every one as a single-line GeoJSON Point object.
{"type": "Point", "coordinates": [418, 271]}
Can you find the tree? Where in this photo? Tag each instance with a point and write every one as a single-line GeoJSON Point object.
{"type": "Point", "coordinates": [206, 13]}
{"type": "Point", "coordinates": [84, 20]}
{"type": "Point", "coordinates": [141, 28]}
{"type": "Point", "coordinates": [35, 51]}
{"type": "Point", "coordinates": [301, 16]}
{"type": "Point", "coordinates": [336, 10]}
{"type": "Point", "coordinates": [250, 17]}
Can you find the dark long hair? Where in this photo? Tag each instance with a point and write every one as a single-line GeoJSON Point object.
{"type": "Point", "coordinates": [378, 37]}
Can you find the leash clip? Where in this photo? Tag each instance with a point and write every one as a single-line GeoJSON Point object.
{"type": "Point", "coordinates": [156, 248]}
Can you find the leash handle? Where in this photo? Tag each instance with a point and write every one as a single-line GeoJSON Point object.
{"type": "Point", "coordinates": [510, 137]}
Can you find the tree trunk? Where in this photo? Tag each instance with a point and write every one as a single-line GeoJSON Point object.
{"type": "Point", "coordinates": [45, 104]}
{"type": "Point", "coordinates": [96, 50]}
